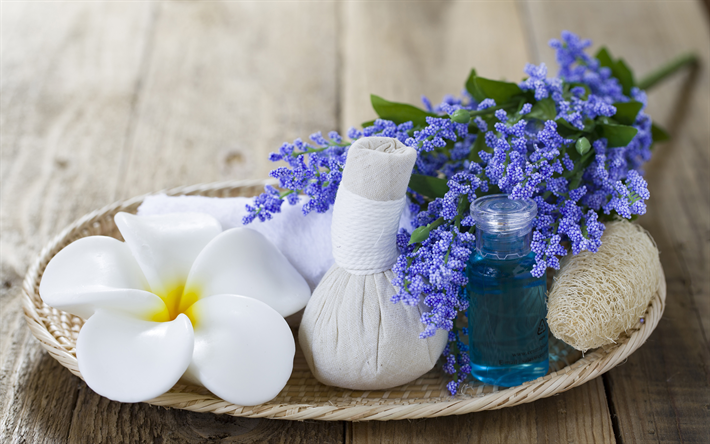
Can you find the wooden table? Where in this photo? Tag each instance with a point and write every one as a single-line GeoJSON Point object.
{"type": "Point", "coordinates": [104, 101]}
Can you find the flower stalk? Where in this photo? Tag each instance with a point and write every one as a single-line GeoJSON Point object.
{"type": "Point", "coordinates": [665, 71]}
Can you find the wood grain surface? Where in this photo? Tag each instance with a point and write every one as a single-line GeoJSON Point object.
{"type": "Point", "coordinates": [106, 100]}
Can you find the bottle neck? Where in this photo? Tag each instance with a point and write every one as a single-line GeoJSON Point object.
{"type": "Point", "coordinates": [504, 246]}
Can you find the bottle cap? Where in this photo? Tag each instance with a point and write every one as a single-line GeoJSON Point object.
{"type": "Point", "coordinates": [499, 214]}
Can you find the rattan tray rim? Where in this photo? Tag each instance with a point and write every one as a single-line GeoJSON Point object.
{"type": "Point", "coordinates": [590, 366]}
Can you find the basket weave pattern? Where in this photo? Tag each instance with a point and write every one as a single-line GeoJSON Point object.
{"type": "Point", "coordinates": [304, 397]}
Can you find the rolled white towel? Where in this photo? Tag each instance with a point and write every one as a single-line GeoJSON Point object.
{"type": "Point", "coordinates": [305, 240]}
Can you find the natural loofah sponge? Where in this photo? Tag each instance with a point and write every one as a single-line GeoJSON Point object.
{"type": "Point", "coordinates": [597, 296]}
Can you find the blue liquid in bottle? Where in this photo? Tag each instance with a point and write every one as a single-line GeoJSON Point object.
{"type": "Point", "coordinates": [506, 316]}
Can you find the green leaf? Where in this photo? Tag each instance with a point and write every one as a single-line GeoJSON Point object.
{"type": "Point", "coordinates": [659, 134]}
{"type": "Point", "coordinates": [604, 57]}
{"type": "Point", "coordinates": [582, 145]}
{"type": "Point", "coordinates": [428, 186]}
{"type": "Point", "coordinates": [580, 165]}
{"type": "Point", "coordinates": [368, 123]}
{"type": "Point", "coordinates": [626, 112]}
{"type": "Point", "coordinates": [576, 180]}
{"type": "Point", "coordinates": [421, 233]}
{"type": "Point", "coordinates": [499, 91]}
{"type": "Point", "coordinates": [566, 130]}
{"type": "Point", "coordinates": [622, 72]}
{"type": "Point", "coordinates": [463, 206]}
{"type": "Point", "coordinates": [399, 112]}
{"type": "Point", "coordinates": [617, 135]}
{"type": "Point", "coordinates": [473, 88]}
{"type": "Point", "coordinates": [543, 110]}
{"type": "Point", "coordinates": [619, 69]}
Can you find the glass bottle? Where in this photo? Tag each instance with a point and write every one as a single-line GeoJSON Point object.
{"type": "Point", "coordinates": [506, 316]}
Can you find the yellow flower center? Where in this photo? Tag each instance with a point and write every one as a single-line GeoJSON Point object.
{"type": "Point", "coordinates": [177, 300]}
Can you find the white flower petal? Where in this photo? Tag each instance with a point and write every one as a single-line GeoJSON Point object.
{"type": "Point", "coordinates": [165, 246]}
{"type": "Point", "coordinates": [242, 261]}
{"type": "Point", "coordinates": [129, 360]}
{"type": "Point", "coordinates": [97, 272]}
{"type": "Point", "coordinates": [243, 349]}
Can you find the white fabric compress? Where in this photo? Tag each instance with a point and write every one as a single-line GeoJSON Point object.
{"type": "Point", "coordinates": [352, 335]}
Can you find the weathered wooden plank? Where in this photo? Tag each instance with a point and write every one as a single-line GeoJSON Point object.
{"type": "Point", "coordinates": [661, 394]}
{"type": "Point", "coordinates": [228, 83]}
{"type": "Point", "coordinates": [38, 394]}
{"type": "Point", "coordinates": [98, 420]}
{"type": "Point", "coordinates": [401, 52]}
{"type": "Point", "coordinates": [579, 415]}
{"type": "Point", "coordinates": [70, 118]}
{"type": "Point", "coordinates": [428, 48]}
{"type": "Point", "coordinates": [69, 73]}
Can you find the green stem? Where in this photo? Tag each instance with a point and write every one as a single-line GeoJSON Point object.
{"type": "Point", "coordinates": [666, 70]}
{"type": "Point", "coordinates": [318, 150]}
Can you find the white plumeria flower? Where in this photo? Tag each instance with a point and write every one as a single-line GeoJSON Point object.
{"type": "Point", "coordinates": [179, 299]}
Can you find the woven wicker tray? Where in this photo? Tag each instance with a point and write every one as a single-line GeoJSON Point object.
{"type": "Point", "coordinates": [304, 397]}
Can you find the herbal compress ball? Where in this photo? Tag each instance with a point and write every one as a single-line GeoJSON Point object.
{"type": "Point", "coordinates": [352, 335]}
{"type": "Point", "coordinates": [597, 296]}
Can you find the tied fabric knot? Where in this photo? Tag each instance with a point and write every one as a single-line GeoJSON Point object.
{"type": "Point", "coordinates": [364, 232]}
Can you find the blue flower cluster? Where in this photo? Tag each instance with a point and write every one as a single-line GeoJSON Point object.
{"type": "Point", "coordinates": [546, 138]}
{"type": "Point", "coordinates": [314, 169]}
{"type": "Point", "coordinates": [576, 66]}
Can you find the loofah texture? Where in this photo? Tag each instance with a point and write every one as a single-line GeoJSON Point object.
{"type": "Point", "coordinates": [598, 296]}
{"type": "Point", "coordinates": [352, 335]}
